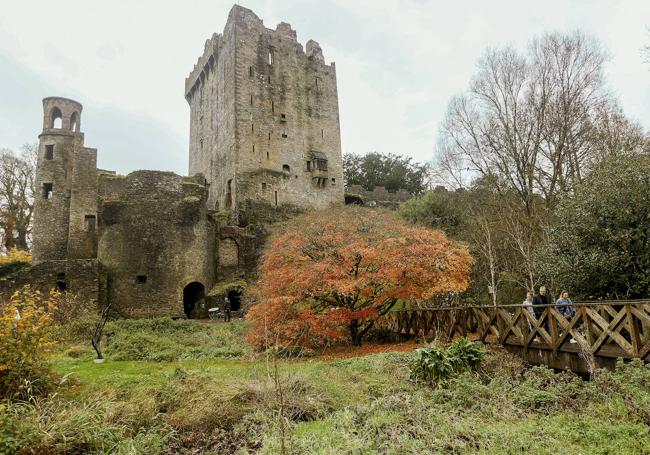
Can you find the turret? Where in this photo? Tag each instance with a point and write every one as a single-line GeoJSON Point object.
{"type": "Point", "coordinates": [65, 203]}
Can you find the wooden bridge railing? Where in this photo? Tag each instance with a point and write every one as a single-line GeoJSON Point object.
{"type": "Point", "coordinates": [602, 331]}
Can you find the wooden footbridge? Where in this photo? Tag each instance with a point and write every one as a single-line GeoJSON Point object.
{"type": "Point", "coordinates": [598, 334]}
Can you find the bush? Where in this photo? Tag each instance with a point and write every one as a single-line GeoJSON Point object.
{"type": "Point", "coordinates": [26, 339]}
{"type": "Point", "coordinates": [437, 365]}
{"type": "Point", "coordinates": [15, 260]}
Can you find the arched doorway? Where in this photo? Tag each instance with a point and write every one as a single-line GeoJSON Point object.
{"type": "Point", "coordinates": [234, 295]}
{"type": "Point", "coordinates": [193, 293]}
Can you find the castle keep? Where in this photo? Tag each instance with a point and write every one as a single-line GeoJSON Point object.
{"type": "Point", "coordinates": [264, 138]}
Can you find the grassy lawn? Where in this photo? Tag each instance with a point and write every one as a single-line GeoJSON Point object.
{"type": "Point", "coordinates": [223, 399]}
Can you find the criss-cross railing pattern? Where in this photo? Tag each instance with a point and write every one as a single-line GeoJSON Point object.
{"type": "Point", "coordinates": [607, 329]}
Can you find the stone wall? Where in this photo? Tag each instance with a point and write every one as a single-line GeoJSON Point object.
{"type": "Point", "coordinates": [379, 196]}
{"type": "Point", "coordinates": [82, 277]}
{"type": "Point", "coordinates": [155, 237]}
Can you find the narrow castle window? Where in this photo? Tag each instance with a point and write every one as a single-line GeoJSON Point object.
{"type": "Point", "coordinates": [47, 190]}
{"type": "Point", "coordinates": [253, 148]}
{"type": "Point", "coordinates": [269, 79]}
{"type": "Point", "coordinates": [322, 133]}
{"type": "Point", "coordinates": [201, 144]}
{"type": "Point", "coordinates": [286, 168]}
{"type": "Point", "coordinates": [267, 156]}
{"type": "Point", "coordinates": [272, 106]}
{"type": "Point", "coordinates": [283, 117]}
{"type": "Point", "coordinates": [263, 186]}
{"type": "Point", "coordinates": [252, 128]}
{"type": "Point", "coordinates": [49, 152]}
{"type": "Point", "coordinates": [251, 100]}
{"type": "Point", "coordinates": [333, 180]}
{"type": "Point", "coordinates": [229, 194]}
{"type": "Point", "coordinates": [317, 85]}
{"type": "Point", "coordinates": [269, 136]}
{"type": "Point", "coordinates": [284, 135]}
{"type": "Point", "coordinates": [270, 56]}
{"type": "Point", "coordinates": [250, 71]}
{"type": "Point", "coordinates": [276, 198]}
{"type": "Point", "coordinates": [309, 165]}
{"type": "Point", "coordinates": [90, 222]}
{"type": "Point", "coordinates": [141, 279]}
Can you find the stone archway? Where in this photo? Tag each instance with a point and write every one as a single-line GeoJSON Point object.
{"type": "Point", "coordinates": [234, 295]}
{"type": "Point", "coordinates": [193, 293]}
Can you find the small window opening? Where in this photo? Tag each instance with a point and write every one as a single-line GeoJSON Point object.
{"type": "Point", "coordinates": [56, 119]}
{"type": "Point", "coordinates": [333, 180]}
{"type": "Point", "coordinates": [269, 136]}
{"type": "Point", "coordinates": [322, 133]}
{"type": "Point", "coordinates": [317, 85]}
{"type": "Point", "coordinates": [272, 106]}
{"type": "Point", "coordinates": [286, 168]}
{"type": "Point", "coordinates": [309, 165]}
{"type": "Point", "coordinates": [201, 144]}
{"type": "Point", "coordinates": [284, 135]}
{"type": "Point", "coordinates": [276, 198]}
{"type": "Point", "coordinates": [251, 100]}
{"type": "Point", "coordinates": [49, 152]}
{"type": "Point", "coordinates": [60, 282]}
{"type": "Point", "coordinates": [47, 190]}
{"type": "Point", "coordinates": [268, 156]}
{"type": "Point", "coordinates": [253, 148]}
{"type": "Point", "coordinates": [270, 56]}
{"type": "Point", "coordinates": [250, 71]}
{"type": "Point", "coordinates": [90, 222]}
{"type": "Point", "coordinates": [269, 79]}
{"type": "Point", "coordinates": [252, 128]}
{"type": "Point", "coordinates": [263, 186]}
{"type": "Point", "coordinates": [229, 194]}
{"type": "Point", "coordinates": [283, 117]}
{"type": "Point", "coordinates": [141, 279]}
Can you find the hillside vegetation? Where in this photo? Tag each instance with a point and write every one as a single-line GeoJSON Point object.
{"type": "Point", "coordinates": [188, 387]}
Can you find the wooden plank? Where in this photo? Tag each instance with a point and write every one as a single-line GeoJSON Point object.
{"type": "Point", "coordinates": [633, 329]}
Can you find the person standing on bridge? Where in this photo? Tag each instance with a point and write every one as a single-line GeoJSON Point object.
{"type": "Point", "coordinates": [541, 299]}
{"type": "Point", "coordinates": [567, 309]}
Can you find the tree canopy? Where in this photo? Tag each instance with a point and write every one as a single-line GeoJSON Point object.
{"type": "Point", "coordinates": [337, 271]}
{"type": "Point", "coordinates": [599, 246]}
{"type": "Point", "coordinates": [394, 172]}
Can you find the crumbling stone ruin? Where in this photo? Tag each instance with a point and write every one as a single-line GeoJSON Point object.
{"type": "Point", "coordinates": [264, 140]}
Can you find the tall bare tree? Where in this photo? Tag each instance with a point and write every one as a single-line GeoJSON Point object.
{"type": "Point", "coordinates": [534, 120]}
{"type": "Point", "coordinates": [17, 196]}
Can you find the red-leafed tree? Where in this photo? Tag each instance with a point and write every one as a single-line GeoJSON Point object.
{"type": "Point", "coordinates": [330, 274]}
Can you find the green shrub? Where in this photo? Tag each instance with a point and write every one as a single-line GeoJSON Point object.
{"type": "Point", "coordinates": [437, 365]}
{"type": "Point", "coordinates": [165, 339]}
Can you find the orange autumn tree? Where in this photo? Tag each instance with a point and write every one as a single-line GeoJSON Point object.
{"type": "Point", "coordinates": [331, 274]}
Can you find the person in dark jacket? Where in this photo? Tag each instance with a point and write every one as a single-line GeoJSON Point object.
{"type": "Point", "coordinates": [227, 306]}
{"type": "Point", "coordinates": [541, 299]}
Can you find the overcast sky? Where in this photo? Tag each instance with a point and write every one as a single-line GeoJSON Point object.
{"type": "Point", "coordinates": [398, 63]}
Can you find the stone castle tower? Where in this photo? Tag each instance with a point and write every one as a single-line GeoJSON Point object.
{"type": "Point", "coordinates": [264, 137]}
{"type": "Point", "coordinates": [65, 206]}
{"type": "Point", "coordinates": [264, 119]}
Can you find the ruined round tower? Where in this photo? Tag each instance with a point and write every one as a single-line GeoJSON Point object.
{"type": "Point", "coordinates": [65, 206]}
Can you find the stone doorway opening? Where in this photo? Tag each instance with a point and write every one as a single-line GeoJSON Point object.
{"type": "Point", "coordinates": [234, 295]}
{"type": "Point", "coordinates": [193, 293]}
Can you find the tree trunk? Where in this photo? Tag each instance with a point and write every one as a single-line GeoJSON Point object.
{"type": "Point", "coordinates": [355, 335]}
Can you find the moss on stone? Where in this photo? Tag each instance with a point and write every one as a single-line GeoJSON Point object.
{"type": "Point", "coordinates": [224, 286]}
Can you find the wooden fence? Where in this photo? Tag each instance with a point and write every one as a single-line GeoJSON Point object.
{"type": "Point", "coordinates": [598, 334]}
